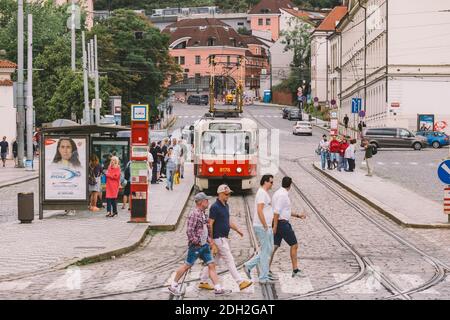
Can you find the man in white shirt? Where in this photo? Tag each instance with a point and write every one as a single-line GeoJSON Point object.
{"type": "Point", "coordinates": [282, 229]}
{"type": "Point", "coordinates": [262, 224]}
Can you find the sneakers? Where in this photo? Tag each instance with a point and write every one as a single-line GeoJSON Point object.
{"type": "Point", "coordinates": [247, 272]}
{"type": "Point", "coordinates": [245, 284]}
{"type": "Point", "coordinates": [206, 286]}
{"type": "Point", "coordinates": [299, 274]}
{"type": "Point", "coordinates": [222, 292]}
{"type": "Point", "coordinates": [174, 290]}
{"type": "Point", "coordinates": [272, 276]}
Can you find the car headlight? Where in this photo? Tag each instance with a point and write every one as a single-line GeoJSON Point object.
{"type": "Point", "coordinates": [210, 169]}
{"type": "Point", "coordinates": [239, 170]}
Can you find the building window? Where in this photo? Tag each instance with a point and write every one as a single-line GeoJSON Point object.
{"type": "Point", "coordinates": [181, 60]}
{"type": "Point", "coordinates": [211, 42]}
{"type": "Point", "coordinates": [197, 59]}
{"type": "Point", "coordinates": [268, 22]}
{"type": "Point", "coordinates": [260, 22]}
{"type": "Point", "coordinates": [198, 78]}
{"type": "Point", "coordinates": [185, 76]}
{"type": "Point", "coordinates": [228, 60]}
{"type": "Point", "coordinates": [240, 23]}
{"type": "Point", "coordinates": [181, 45]}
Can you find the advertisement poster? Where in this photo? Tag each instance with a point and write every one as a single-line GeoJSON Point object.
{"type": "Point", "coordinates": [425, 122]}
{"type": "Point", "coordinates": [65, 168]}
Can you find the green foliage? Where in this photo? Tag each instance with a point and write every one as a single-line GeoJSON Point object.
{"type": "Point", "coordinates": [244, 31]}
{"type": "Point", "coordinates": [137, 65]}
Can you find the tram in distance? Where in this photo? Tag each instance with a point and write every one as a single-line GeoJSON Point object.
{"type": "Point", "coordinates": [225, 151]}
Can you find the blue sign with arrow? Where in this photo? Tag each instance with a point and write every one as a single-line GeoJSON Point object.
{"type": "Point", "coordinates": [444, 172]}
{"type": "Point", "coordinates": [356, 105]}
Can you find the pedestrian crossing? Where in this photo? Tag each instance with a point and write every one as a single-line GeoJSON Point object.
{"type": "Point", "coordinates": [404, 164]}
{"type": "Point", "coordinates": [76, 279]}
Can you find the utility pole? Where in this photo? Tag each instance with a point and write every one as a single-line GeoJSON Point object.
{"type": "Point", "coordinates": [270, 65]}
{"type": "Point", "coordinates": [97, 93]}
{"type": "Point", "coordinates": [87, 117]}
{"type": "Point", "coordinates": [73, 36]}
{"type": "Point", "coordinates": [30, 153]}
{"type": "Point", "coordinates": [20, 99]}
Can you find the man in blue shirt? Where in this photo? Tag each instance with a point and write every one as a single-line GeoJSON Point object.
{"type": "Point", "coordinates": [220, 224]}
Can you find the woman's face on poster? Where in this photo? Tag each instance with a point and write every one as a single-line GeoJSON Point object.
{"type": "Point", "coordinates": [65, 150]}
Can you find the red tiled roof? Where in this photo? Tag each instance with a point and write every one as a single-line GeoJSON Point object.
{"type": "Point", "coordinates": [201, 30]}
{"type": "Point", "coordinates": [7, 64]}
{"type": "Point", "coordinates": [6, 83]}
{"type": "Point", "coordinates": [252, 40]}
{"type": "Point", "coordinates": [329, 24]}
{"type": "Point", "coordinates": [273, 6]}
{"type": "Point", "coordinates": [297, 13]}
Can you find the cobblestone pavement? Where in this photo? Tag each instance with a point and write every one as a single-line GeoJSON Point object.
{"type": "Point", "coordinates": [8, 207]}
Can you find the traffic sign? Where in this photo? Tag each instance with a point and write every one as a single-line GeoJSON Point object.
{"type": "Point", "coordinates": [139, 112]}
{"type": "Point", "coordinates": [316, 99]}
{"type": "Point", "coordinates": [356, 105]}
{"type": "Point", "coordinates": [444, 172]}
{"type": "Point", "coordinates": [333, 102]}
{"type": "Point", "coordinates": [362, 113]}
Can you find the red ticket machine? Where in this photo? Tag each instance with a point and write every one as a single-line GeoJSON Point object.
{"type": "Point", "coordinates": [139, 165]}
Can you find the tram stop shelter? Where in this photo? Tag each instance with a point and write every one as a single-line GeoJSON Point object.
{"type": "Point", "coordinates": [65, 150]}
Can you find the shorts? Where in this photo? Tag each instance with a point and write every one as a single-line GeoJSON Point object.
{"type": "Point", "coordinates": [158, 168]}
{"type": "Point", "coordinates": [202, 252]}
{"type": "Point", "coordinates": [284, 232]}
{"type": "Point", "coordinates": [3, 155]}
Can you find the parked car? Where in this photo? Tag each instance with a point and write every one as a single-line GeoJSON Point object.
{"type": "Point", "coordinates": [285, 112]}
{"type": "Point", "coordinates": [435, 138]}
{"type": "Point", "coordinates": [302, 127]}
{"type": "Point", "coordinates": [198, 100]}
{"type": "Point", "coordinates": [204, 99]}
{"type": "Point", "coordinates": [295, 114]}
{"type": "Point", "coordinates": [395, 138]}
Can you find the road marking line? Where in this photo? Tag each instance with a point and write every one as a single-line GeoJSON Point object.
{"type": "Point", "coordinates": [396, 163]}
{"type": "Point", "coordinates": [71, 280]}
{"type": "Point", "coordinates": [413, 163]}
{"type": "Point", "coordinates": [125, 281]}
{"type": "Point", "coordinates": [295, 285]}
{"type": "Point", "coordinates": [366, 285]}
{"type": "Point", "coordinates": [380, 163]}
{"type": "Point", "coordinates": [411, 281]}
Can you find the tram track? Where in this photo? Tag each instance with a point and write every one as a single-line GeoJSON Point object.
{"type": "Point", "coordinates": [365, 265]}
{"type": "Point", "coordinates": [440, 268]}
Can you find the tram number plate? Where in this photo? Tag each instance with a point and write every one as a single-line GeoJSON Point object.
{"type": "Point", "coordinates": [225, 170]}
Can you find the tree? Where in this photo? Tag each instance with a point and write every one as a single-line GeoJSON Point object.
{"type": "Point", "coordinates": [298, 39]}
{"type": "Point", "coordinates": [136, 58]}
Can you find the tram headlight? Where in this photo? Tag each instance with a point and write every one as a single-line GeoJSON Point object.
{"type": "Point", "coordinates": [239, 170]}
{"type": "Point", "coordinates": [210, 169]}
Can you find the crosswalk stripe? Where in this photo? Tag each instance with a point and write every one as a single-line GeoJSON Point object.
{"type": "Point", "coordinates": [366, 285]}
{"type": "Point", "coordinates": [125, 281]}
{"type": "Point", "coordinates": [295, 285]}
{"type": "Point", "coordinates": [71, 280]}
{"type": "Point", "coordinates": [413, 163]}
{"type": "Point", "coordinates": [411, 281]}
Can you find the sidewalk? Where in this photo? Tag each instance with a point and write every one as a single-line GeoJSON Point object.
{"type": "Point", "coordinates": [63, 240]}
{"type": "Point", "coordinates": [10, 175]}
{"type": "Point", "coordinates": [403, 206]}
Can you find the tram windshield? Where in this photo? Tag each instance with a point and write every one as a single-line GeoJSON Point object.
{"type": "Point", "coordinates": [226, 143]}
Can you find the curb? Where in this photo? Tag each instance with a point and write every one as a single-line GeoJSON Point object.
{"type": "Point", "coordinates": [18, 181]}
{"type": "Point", "coordinates": [107, 255]}
{"type": "Point", "coordinates": [173, 227]}
{"type": "Point", "coordinates": [378, 206]}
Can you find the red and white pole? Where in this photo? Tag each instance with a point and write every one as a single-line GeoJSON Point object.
{"type": "Point", "coordinates": [447, 202]}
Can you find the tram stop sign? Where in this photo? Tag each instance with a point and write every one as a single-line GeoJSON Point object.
{"type": "Point", "coordinates": [444, 172]}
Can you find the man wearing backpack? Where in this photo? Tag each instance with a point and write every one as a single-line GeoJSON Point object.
{"type": "Point", "coordinates": [370, 151]}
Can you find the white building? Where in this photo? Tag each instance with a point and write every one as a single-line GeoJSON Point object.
{"type": "Point", "coordinates": [7, 110]}
{"type": "Point", "coordinates": [321, 61]}
{"type": "Point", "coordinates": [395, 57]}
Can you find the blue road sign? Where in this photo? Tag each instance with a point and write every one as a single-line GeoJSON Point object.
{"type": "Point", "coordinates": [444, 172]}
{"type": "Point", "coordinates": [356, 105]}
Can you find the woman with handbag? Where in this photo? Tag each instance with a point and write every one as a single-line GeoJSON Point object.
{"type": "Point", "coordinates": [171, 167]}
{"type": "Point", "coordinates": [112, 186]}
{"type": "Point", "coordinates": [94, 180]}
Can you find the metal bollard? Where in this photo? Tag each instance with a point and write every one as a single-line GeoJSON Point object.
{"type": "Point", "coordinates": [25, 207]}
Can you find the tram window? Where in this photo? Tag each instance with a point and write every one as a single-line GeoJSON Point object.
{"type": "Point", "coordinates": [230, 143]}
{"type": "Point", "coordinates": [225, 126]}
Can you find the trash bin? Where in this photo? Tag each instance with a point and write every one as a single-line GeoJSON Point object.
{"type": "Point", "coordinates": [25, 207]}
{"type": "Point", "coordinates": [267, 96]}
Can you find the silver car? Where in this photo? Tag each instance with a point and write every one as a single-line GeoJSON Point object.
{"type": "Point", "coordinates": [395, 138]}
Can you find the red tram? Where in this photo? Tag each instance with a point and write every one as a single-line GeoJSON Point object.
{"type": "Point", "coordinates": [225, 152]}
